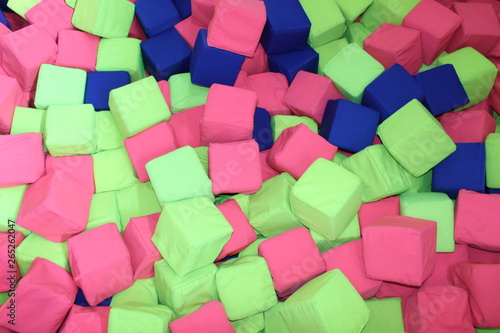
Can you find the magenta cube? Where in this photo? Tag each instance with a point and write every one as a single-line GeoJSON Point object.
{"type": "Point", "coordinates": [482, 257]}
{"type": "Point", "coordinates": [78, 167]}
{"type": "Point", "coordinates": [186, 126]}
{"type": "Point", "coordinates": [77, 49]}
{"type": "Point", "coordinates": [202, 11]}
{"type": "Point", "coordinates": [52, 16]}
{"type": "Point", "coordinates": [258, 63]}
{"type": "Point", "coordinates": [444, 262]}
{"type": "Point", "coordinates": [372, 211]}
{"type": "Point", "coordinates": [209, 318]}
{"type": "Point", "coordinates": [270, 89]}
{"type": "Point", "coordinates": [267, 171]}
{"type": "Point", "coordinates": [468, 126]}
{"type": "Point", "coordinates": [391, 289]}
{"type": "Point", "coordinates": [11, 96]}
{"type": "Point", "coordinates": [86, 319]}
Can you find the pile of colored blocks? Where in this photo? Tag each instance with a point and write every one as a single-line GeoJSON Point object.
{"type": "Point", "coordinates": [278, 166]}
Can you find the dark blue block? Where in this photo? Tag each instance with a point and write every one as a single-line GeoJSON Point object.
{"type": "Point", "coordinates": [464, 169]}
{"type": "Point", "coordinates": [391, 90]}
{"type": "Point", "coordinates": [99, 84]}
{"type": "Point", "coordinates": [82, 301]}
{"type": "Point", "coordinates": [183, 7]}
{"type": "Point", "coordinates": [156, 16]}
{"type": "Point", "coordinates": [166, 54]}
{"type": "Point", "coordinates": [287, 27]}
{"type": "Point", "coordinates": [211, 65]}
{"type": "Point", "coordinates": [4, 21]}
{"type": "Point", "coordinates": [290, 63]}
{"type": "Point", "coordinates": [262, 129]}
{"type": "Point", "coordinates": [348, 125]}
{"type": "Point", "coordinates": [493, 190]}
{"type": "Point", "coordinates": [443, 90]}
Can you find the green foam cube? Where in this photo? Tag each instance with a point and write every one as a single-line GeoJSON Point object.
{"type": "Point", "coordinates": [352, 9]}
{"type": "Point", "coordinates": [184, 94]}
{"type": "Point", "coordinates": [70, 130]}
{"type": "Point", "coordinates": [105, 18]}
{"type": "Point", "coordinates": [252, 324]}
{"type": "Point", "coordinates": [270, 210]}
{"type": "Point", "coordinates": [202, 153]}
{"type": "Point", "coordinates": [104, 209]}
{"type": "Point", "coordinates": [352, 69]}
{"type": "Point", "coordinates": [185, 294]}
{"type": "Point", "coordinates": [476, 73]}
{"type": "Point", "coordinates": [121, 54]}
{"type": "Point", "coordinates": [143, 291]}
{"type": "Point", "coordinates": [179, 175]}
{"type": "Point", "coordinates": [386, 316]}
{"type": "Point", "coordinates": [34, 246]}
{"type": "Point", "coordinates": [422, 183]}
{"type": "Point", "coordinates": [113, 170]}
{"type": "Point", "coordinates": [280, 123]}
{"type": "Point", "coordinates": [433, 206]}
{"type": "Point", "coordinates": [10, 202]}
{"type": "Point", "coordinates": [108, 135]}
{"type": "Point", "coordinates": [357, 33]}
{"type": "Point", "coordinates": [328, 303]}
{"type": "Point", "coordinates": [58, 85]}
{"type": "Point", "coordinates": [133, 318]}
{"type": "Point", "coordinates": [191, 233]}
{"type": "Point", "coordinates": [351, 233]}
{"type": "Point", "coordinates": [326, 198]}
{"type": "Point", "coordinates": [245, 287]}
{"type": "Point", "coordinates": [328, 51]}
{"type": "Point", "coordinates": [138, 106]}
{"type": "Point", "coordinates": [136, 200]}
{"type": "Point", "coordinates": [389, 11]}
{"type": "Point", "coordinates": [382, 176]}
{"type": "Point", "coordinates": [492, 145]}
{"type": "Point", "coordinates": [415, 138]}
{"type": "Point", "coordinates": [253, 248]}
{"type": "Point", "coordinates": [28, 120]}
{"type": "Point", "coordinates": [273, 320]}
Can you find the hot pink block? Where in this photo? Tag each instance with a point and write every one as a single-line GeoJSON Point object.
{"type": "Point", "coordinates": [258, 63]}
{"type": "Point", "coordinates": [234, 167]}
{"type": "Point", "coordinates": [11, 96]}
{"type": "Point", "coordinates": [297, 148]}
{"type": "Point", "coordinates": [309, 93]}
{"type": "Point", "coordinates": [270, 89]}
{"type": "Point", "coordinates": [267, 171]}
{"type": "Point", "coordinates": [209, 318]}
{"type": "Point", "coordinates": [243, 234]}
{"type": "Point", "coordinates": [483, 257]}
{"type": "Point", "coordinates": [188, 29]}
{"type": "Point", "coordinates": [100, 263]}
{"type": "Point", "coordinates": [137, 238]}
{"type": "Point", "coordinates": [371, 212]}
{"type": "Point", "coordinates": [9, 270]}
{"type": "Point", "coordinates": [494, 97]}
{"type": "Point", "coordinates": [202, 11]}
{"type": "Point", "coordinates": [444, 262]}
{"type": "Point", "coordinates": [136, 30]}
{"type": "Point", "coordinates": [393, 44]}
{"type": "Point", "coordinates": [400, 249]}
{"type": "Point", "coordinates": [242, 81]}
{"type": "Point", "coordinates": [154, 142]}
{"type": "Point", "coordinates": [78, 167]}
{"type": "Point", "coordinates": [86, 319]}
{"type": "Point", "coordinates": [23, 159]}
{"type": "Point", "coordinates": [51, 15]}
{"type": "Point", "coordinates": [186, 126]}
{"type": "Point", "coordinates": [77, 49]}
{"type": "Point", "coordinates": [165, 91]}
{"type": "Point", "coordinates": [468, 126]}
{"type": "Point", "coordinates": [293, 259]}
{"type": "Point", "coordinates": [42, 299]}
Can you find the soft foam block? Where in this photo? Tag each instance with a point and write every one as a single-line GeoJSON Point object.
{"type": "Point", "coordinates": [11, 270]}
{"type": "Point", "coordinates": [78, 167]}
{"type": "Point", "coordinates": [492, 145]}
{"type": "Point", "coordinates": [156, 16]}
{"type": "Point", "coordinates": [59, 18]}
{"type": "Point", "coordinates": [136, 317]}
{"type": "Point", "coordinates": [210, 318]}
{"type": "Point", "coordinates": [468, 125]}
{"type": "Point", "coordinates": [121, 175]}
{"type": "Point", "coordinates": [372, 211]}
{"type": "Point", "coordinates": [385, 315]}
{"type": "Point", "coordinates": [445, 261]}
{"type": "Point", "coordinates": [136, 200]}
{"type": "Point", "coordinates": [104, 209]}
{"type": "Point", "coordinates": [184, 94]}
{"type": "Point", "coordinates": [281, 122]}
{"type": "Point", "coordinates": [77, 49]}
{"type": "Point", "coordinates": [186, 126]}
{"type": "Point", "coordinates": [386, 11]}
{"type": "Point", "coordinates": [11, 97]}
{"type": "Point", "coordinates": [271, 89]}
{"type": "Point", "coordinates": [256, 64]}
{"type": "Point", "coordinates": [91, 318]}
{"type": "Point", "coordinates": [100, 84]}
{"type": "Point", "coordinates": [290, 63]}
{"type": "Point", "coordinates": [121, 54]}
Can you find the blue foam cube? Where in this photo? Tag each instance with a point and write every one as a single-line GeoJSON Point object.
{"type": "Point", "coordinates": [443, 90]}
{"type": "Point", "coordinates": [166, 54]}
{"type": "Point", "coordinates": [211, 65]}
{"type": "Point", "coordinates": [391, 90]}
{"type": "Point", "coordinates": [463, 169]}
{"type": "Point", "coordinates": [348, 125]}
{"type": "Point", "coordinates": [156, 16]}
{"type": "Point", "coordinates": [290, 63]}
{"type": "Point", "coordinates": [99, 84]}
{"type": "Point", "coordinates": [287, 27]}
{"type": "Point", "coordinates": [82, 301]}
{"type": "Point", "coordinates": [262, 132]}
{"type": "Point", "coordinates": [183, 7]}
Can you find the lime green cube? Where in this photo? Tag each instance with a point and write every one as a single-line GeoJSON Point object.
{"type": "Point", "coordinates": [104, 209]}
{"type": "Point", "coordinates": [273, 320]}
{"type": "Point", "coordinates": [202, 153]}
{"type": "Point", "coordinates": [492, 144]}
{"type": "Point", "coordinates": [386, 315]}
{"type": "Point", "coordinates": [352, 9]}
{"type": "Point", "coordinates": [328, 51]}
{"type": "Point", "coordinates": [136, 200]}
{"type": "Point", "coordinates": [242, 199]}
{"type": "Point", "coordinates": [281, 123]}
{"type": "Point", "coordinates": [133, 318]}
{"type": "Point", "coordinates": [113, 170]}
{"type": "Point", "coordinates": [389, 11]}
{"type": "Point", "coordinates": [356, 33]}
{"type": "Point", "coordinates": [184, 94]}
{"type": "Point", "coordinates": [28, 120]}
{"type": "Point", "coordinates": [252, 249]}
{"type": "Point", "coordinates": [351, 233]}
{"type": "Point", "coordinates": [143, 291]}
{"type": "Point", "coordinates": [252, 324]}
{"type": "Point", "coordinates": [108, 135]}
{"type": "Point", "coordinates": [121, 54]}
{"type": "Point", "coordinates": [34, 246]}
{"type": "Point", "coordinates": [10, 202]}
{"type": "Point", "coordinates": [422, 183]}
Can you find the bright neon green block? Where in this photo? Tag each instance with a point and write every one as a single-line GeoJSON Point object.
{"type": "Point", "coordinates": [433, 206]}
{"type": "Point", "coordinates": [328, 51]}
{"type": "Point", "coordinates": [357, 33]}
{"type": "Point", "coordinates": [339, 158]}
{"type": "Point", "coordinates": [185, 294]}
{"type": "Point", "coordinates": [138, 106]}
{"type": "Point", "coordinates": [34, 246]}
{"type": "Point", "coordinates": [252, 324]}
{"type": "Point", "coordinates": [281, 123]}
{"type": "Point", "coordinates": [20, 7]}
{"type": "Point", "coordinates": [10, 202]}
{"type": "Point", "coordinates": [422, 183]}
{"type": "Point", "coordinates": [58, 85]}
{"type": "Point", "coordinates": [184, 94]}
{"type": "Point", "coordinates": [415, 138]}
{"type": "Point", "coordinates": [351, 233]}
{"type": "Point", "coordinates": [136, 200]}
{"type": "Point", "coordinates": [108, 135]}
{"type": "Point", "coordinates": [487, 330]}
{"type": "Point", "coordinates": [252, 249]}
{"type": "Point", "coordinates": [389, 11]}
{"type": "Point", "coordinates": [352, 9]}
{"type": "Point", "coordinates": [133, 318]}
{"type": "Point", "coordinates": [245, 287]}
{"type": "Point", "coordinates": [105, 18]}
{"type": "Point", "coordinates": [328, 303]}
{"type": "Point", "coordinates": [273, 320]}
{"type": "Point", "coordinates": [28, 120]}
{"type": "Point", "coordinates": [492, 144]}
{"type": "Point", "coordinates": [386, 316]}
{"type": "Point", "coordinates": [270, 210]}
{"type": "Point", "coordinates": [382, 176]}
{"type": "Point", "coordinates": [121, 54]}
{"type": "Point", "coordinates": [4, 297]}
{"type": "Point", "coordinates": [434, 64]}
{"type": "Point", "coordinates": [104, 209]}
{"type": "Point", "coordinates": [474, 70]}
{"type": "Point", "coordinates": [352, 69]}
{"type": "Point", "coordinates": [202, 153]}
{"type": "Point", "coordinates": [70, 130]}
{"type": "Point", "coordinates": [113, 170]}
{"type": "Point", "coordinates": [327, 21]}
{"type": "Point", "coordinates": [143, 291]}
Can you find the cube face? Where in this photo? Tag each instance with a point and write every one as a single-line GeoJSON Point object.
{"type": "Point", "coordinates": [385, 11]}
{"type": "Point", "coordinates": [152, 318]}
{"type": "Point", "coordinates": [103, 209]}
{"type": "Point", "coordinates": [136, 200]}
{"type": "Point", "coordinates": [492, 146]}
{"type": "Point", "coordinates": [110, 57]}
{"type": "Point", "coordinates": [108, 134]}
{"type": "Point", "coordinates": [385, 314]}
{"type": "Point", "coordinates": [77, 49]}
{"type": "Point", "coordinates": [370, 212]}
{"type": "Point", "coordinates": [291, 63]}
{"type": "Point", "coordinates": [329, 50]}
{"type": "Point", "coordinates": [78, 167]}
{"type": "Point", "coordinates": [281, 122]}
{"type": "Point", "coordinates": [184, 94]}
{"type": "Point", "coordinates": [59, 19]}
{"type": "Point", "coordinates": [11, 98]}
{"type": "Point", "coordinates": [324, 27]}
{"type": "Point", "coordinates": [468, 126]}
{"type": "Point", "coordinates": [186, 126]}
{"type": "Point", "coordinates": [27, 120]}
{"type": "Point", "coordinates": [271, 89]}
{"type": "Point", "coordinates": [100, 84]}
{"type": "Point", "coordinates": [121, 175]}
{"type": "Point", "coordinates": [151, 18]}
{"type": "Point", "coordinates": [262, 132]}
{"type": "Point", "coordinates": [211, 315]}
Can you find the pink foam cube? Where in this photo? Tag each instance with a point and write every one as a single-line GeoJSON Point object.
{"type": "Point", "coordinates": [483, 257]}
{"type": "Point", "coordinates": [16, 22]}
{"type": "Point", "coordinates": [41, 301]}
{"type": "Point", "coordinates": [209, 318]}
{"type": "Point", "coordinates": [481, 282]}
{"type": "Point", "coordinates": [11, 96]}
{"type": "Point", "coordinates": [18, 58]}
{"type": "Point", "coordinates": [400, 249]}
{"type": "Point", "coordinates": [234, 167]}
{"type": "Point", "coordinates": [349, 259]}
{"type": "Point", "coordinates": [444, 262]}
{"type": "Point", "coordinates": [443, 309]}
{"type": "Point", "coordinates": [188, 29]}
{"type": "Point", "coordinates": [258, 63]}
{"type": "Point", "coordinates": [309, 93]}
{"type": "Point", "coordinates": [468, 126]}
{"type": "Point", "coordinates": [243, 234]}
{"type": "Point", "coordinates": [391, 289]}
{"type": "Point", "coordinates": [24, 159]}
{"type": "Point", "coordinates": [297, 148]}
{"type": "Point", "coordinates": [480, 28]}
{"type": "Point", "coordinates": [202, 11]}
{"type": "Point", "coordinates": [77, 49]}
{"type": "Point", "coordinates": [112, 273]}
{"type": "Point", "coordinates": [186, 126]}
{"type": "Point", "coordinates": [242, 81]}
{"type": "Point", "coordinates": [136, 30]}
{"type": "Point", "coordinates": [237, 26]}
{"type": "Point", "coordinates": [51, 15]}
{"type": "Point", "coordinates": [436, 24]}
{"type": "Point", "coordinates": [78, 167]}
{"type": "Point", "coordinates": [154, 142]}
{"type": "Point", "coordinates": [476, 220]}
{"type": "Point", "coordinates": [228, 115]}
{"type": "Point", "coordinates": [267, 171]}
{"type": "Point", "coordinates": [293, 259]}
{"type": "Point", "coordinates": [86, 319]}
{"type": "Point", "coordinates": [393, 44]}
{"type": "Point", "coordinates": [372, 211]}
{"type": "Point", "coordinates": [271, 89]}
{"type": "Point", "coordinates": [9, 270]}
{"type": "Point", "coordinates": [137, 238]}
{"type": "Point", "coordinates": [165, 91]}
